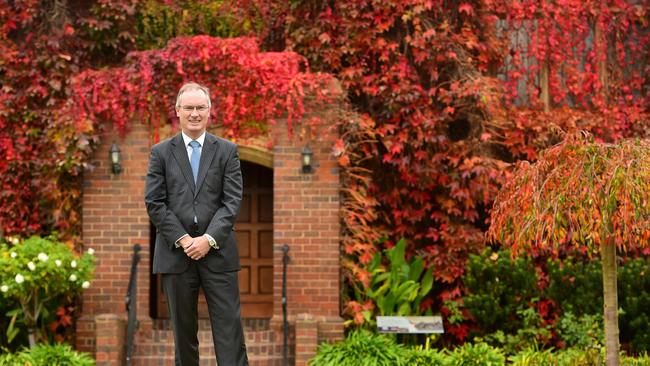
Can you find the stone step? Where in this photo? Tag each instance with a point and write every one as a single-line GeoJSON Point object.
{"type": "Point", "coordinates": [158, 348]}
{"type": "Point", "coordinates": [162, 336]}
{"type": "Point", "coordinates": [206, 361]}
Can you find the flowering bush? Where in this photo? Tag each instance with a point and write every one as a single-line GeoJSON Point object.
{"type": "Point", "coordinates": [37, 274]}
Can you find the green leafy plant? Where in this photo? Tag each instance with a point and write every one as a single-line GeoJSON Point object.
{"type": "Point", "coordinates": [583, 332]}
{"type": "Point", "coordinates": [569, 357]}
{"type": "Point", "coordinates": [497, 286]}
{"type": "Point", "coordinates": [575, 285]}
{"type": "Point", "coordinates": [480, 354]}
{"type": "Point", "coordinates": [50, 355]}
{"type": "Point", "coordinates": [634, 300]}
{"type": "Point", "coordinates": [531, 333]}
{"type": "Point", "coordinates": [396, 287]}
{"type": "Point", "coordinates": [39, 274]}
{"type": "Point", "coordinates": [361, 348]}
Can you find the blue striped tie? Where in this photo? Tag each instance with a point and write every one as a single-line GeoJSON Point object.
{"type": "Point", "coordinates": [195, 158]}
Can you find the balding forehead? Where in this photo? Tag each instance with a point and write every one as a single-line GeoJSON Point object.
{"type": "Point", "coordinates": [193, 87]}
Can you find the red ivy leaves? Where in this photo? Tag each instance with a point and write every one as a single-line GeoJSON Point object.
{"type": "Point", "coordinates": [249, 87]}
{"type": "Point", "coordinates": [452, 93]}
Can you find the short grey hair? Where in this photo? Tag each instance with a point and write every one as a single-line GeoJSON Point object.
{"type": "Point", "coordinates": [189, 87]}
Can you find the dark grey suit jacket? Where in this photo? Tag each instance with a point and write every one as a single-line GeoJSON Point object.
{"type": "Point", "coordinates": [172, 200]}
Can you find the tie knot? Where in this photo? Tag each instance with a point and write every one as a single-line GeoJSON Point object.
{"type": "Point", "coordinates": [195, 144]}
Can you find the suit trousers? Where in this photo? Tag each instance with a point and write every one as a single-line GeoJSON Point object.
{"type": "Point", "coordinates": [222, 294]}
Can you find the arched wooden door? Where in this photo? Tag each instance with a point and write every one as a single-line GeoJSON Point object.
{"type": "Point", "coordinates": [254, 231]}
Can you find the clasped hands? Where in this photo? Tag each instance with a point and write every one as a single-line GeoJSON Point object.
{"type": "Point", "coordinates": [195, 248]}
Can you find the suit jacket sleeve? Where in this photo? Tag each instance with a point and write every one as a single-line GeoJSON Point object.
{"type": "Point", "coordinates": [155, 199]}
{"type": "Point", "coordinates": [222, 222]}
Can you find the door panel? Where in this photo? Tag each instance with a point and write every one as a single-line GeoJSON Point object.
{"type": "Point", "coordinates": [254, 233]}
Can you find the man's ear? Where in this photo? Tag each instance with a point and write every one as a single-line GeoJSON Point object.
{"type": "Point", "coordinates": [178, 112]}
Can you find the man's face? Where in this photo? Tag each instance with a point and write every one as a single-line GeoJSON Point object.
{"type": "Point", "coordinates": [193, 112]}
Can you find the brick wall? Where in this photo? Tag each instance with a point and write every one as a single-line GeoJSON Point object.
{"type": "Point", "coordinates": [114, 219]}
{"type": "Point", "coordinates": [306, 218]}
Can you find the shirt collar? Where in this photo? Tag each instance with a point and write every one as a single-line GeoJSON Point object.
{"type": "Point", "coordinates": [187, 139]}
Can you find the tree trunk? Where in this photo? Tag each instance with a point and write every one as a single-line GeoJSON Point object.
{"type": "Point", "coordinates": [610, 293]}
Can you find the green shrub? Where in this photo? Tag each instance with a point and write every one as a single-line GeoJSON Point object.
{"type": "Point", "coordinates": [569, 357]}
{"type": "Point", "coordinates": [50, 355]}
{"type": "Point", "coordinates": [642, 360]}
{"type": "Point", "coordinates": [361, 348]}
{"type": "Point", "coordinates": [498, 285]}
{"type": "Point", "coordinates": [38, 275]}
{"type": "Point", "coordinates": [425, 357]}
{"type": "Point", "coordinates": [531, 334]}
{"type": "Point", "coordinates": [501, 290]}
{"type": "Point", "coordinates": [158, 22]}
{"type": "Point", "coordinates": [575, 285]}
{"type": "Point", "coordinates": [533, 357]}
{"type": "Point", "coordinates": [634, 300]}
{"type": "Point", "coordinates": [397, 286]}
{"type": "Point", "coordinates": [582, 332]}
{"type": "Point", "coordinates": [480, 354]}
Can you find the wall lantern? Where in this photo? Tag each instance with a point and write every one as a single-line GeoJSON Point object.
{"type": "Point", "coordinates": [306, 160]}
{"type": "Point", "coordinates": [116, 160]}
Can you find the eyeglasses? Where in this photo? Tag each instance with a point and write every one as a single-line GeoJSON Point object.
{"type": "Point", "coordinates": [198, 108]}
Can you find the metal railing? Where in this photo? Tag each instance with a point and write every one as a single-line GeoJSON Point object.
{"type": "Point", "coordinates": [132, 304]}
{"type": "Point", "coordinates": [285, 322]}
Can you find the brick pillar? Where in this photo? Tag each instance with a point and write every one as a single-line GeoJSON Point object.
{"type": "Point", "coordinates": [306, 218]}
{"type": "Point", "coordinates": [111, 340]}
{"type": "Point", "coordinates": [114, 218]}
{"type": "Point", "coordinates": [306, 338]}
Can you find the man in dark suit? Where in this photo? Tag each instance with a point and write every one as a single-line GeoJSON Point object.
{"type": "Point", "coordinates": [193, 193]}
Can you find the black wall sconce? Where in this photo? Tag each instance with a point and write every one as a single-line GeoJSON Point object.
{"type": "Point", "coordinates": [306, 160]}
{"type": "Point", "coordinates": [115, 158]}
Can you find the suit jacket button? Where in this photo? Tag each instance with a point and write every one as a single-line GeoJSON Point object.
{"type": "Point", "coordinates": [195, 203]}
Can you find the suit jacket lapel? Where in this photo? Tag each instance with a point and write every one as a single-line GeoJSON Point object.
{"type": "Point", "coordinates": [207, 154]}
{"type": "Point", "coordinates": [180, 153]}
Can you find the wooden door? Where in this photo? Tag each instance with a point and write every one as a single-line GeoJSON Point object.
{"type": "Point", "coordinates": [254, 232]}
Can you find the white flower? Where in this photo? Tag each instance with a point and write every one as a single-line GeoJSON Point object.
{"type": "Point", "coordinates": [57, 262]}
{"type": "Point", "coordinates": [31, 266]}
{"type": "Point", "coordinates": [20, 279]}
{"type": "Point", "coordinates": [86, 284]}
{"type": "Point", "coordinates": [91, 251]}
{"type": "Point", "coordinates": [13, 255]}
{"type": "Point", "coordinates": [15, 241]}
{"type": "Point", "coordinates": [73, 264]}
{"type": "Point", "coordinates": [73, 277]}
{"type": "Point", "coordinates": [4, 288]}
{"type": "Point", "coordinates": [43, 257]}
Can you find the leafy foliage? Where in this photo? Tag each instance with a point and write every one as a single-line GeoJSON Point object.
{"type": "Point", "coordinates": [51, 355]}
{"type": "Point", "coordinates": [365, 348]}
{"type": "Point", "coordinates": [578, 193]}
{"type": "Point", "coordinates": [581, 332]}
{"type": "Point", "coordinates": [515, 302]}
{"type": "Point", "coordinates": [360, 347]}
{"type": "Point", "coordinates": [497, 287]}
{"type": "Point", "coordinates": [396, 287]}
{"type": "Point", "coordinates": [60, 92]}
{"type": "Point", "coordinates": [252, 89]}
{"type": "Point", "coordinates": [634, 295]}
{"type": "Point", "coordinates": [451, 91]}
{"type": "Point", "coordinates": [479, 354]}
{"type": "Point", "coordinates": [39, 275]}
{"type": "Point", "coordinates": [157, 22]}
